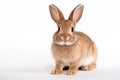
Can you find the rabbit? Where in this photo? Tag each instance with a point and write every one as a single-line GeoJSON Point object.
{"type": "Point", "coordinates": [69, 47]}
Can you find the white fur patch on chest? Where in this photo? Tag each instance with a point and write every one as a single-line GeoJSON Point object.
{"type": "Point", "coordinates": [66, 62]}
{"type": "Point", "coordinates": [86, 61]}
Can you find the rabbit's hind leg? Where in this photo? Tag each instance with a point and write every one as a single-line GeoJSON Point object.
{"type": "Point", "coordinates": [89, 67]}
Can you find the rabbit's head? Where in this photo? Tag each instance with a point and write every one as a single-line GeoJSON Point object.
{"type": "Point", "coordinates": [65, 35]}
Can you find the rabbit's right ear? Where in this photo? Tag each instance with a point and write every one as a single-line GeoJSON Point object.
{"type": "Point", "coordinates": [56, 14]}
{"type": "Point", "coordinates": [76, 13]}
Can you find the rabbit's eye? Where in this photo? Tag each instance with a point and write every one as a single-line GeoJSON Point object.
{"type": "Point", "coordinates": [58, 28]}
{"type": "Point", "coordinates": [72, 29]}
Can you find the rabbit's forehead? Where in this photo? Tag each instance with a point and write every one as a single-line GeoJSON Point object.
{"type": "Point", "coordinates": [66, 24]}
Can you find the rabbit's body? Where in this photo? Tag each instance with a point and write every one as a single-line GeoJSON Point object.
{"type": "Point", "coordinates": [69, 47]}
{"type": "Point", "coordinates": [83, 50]}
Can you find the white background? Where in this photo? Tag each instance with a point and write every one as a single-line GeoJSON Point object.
{"type": "Point", "coordinates": [26, 30]}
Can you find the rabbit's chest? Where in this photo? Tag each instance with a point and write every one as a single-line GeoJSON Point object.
{"type": "Point", "coordinates": [66, 54]}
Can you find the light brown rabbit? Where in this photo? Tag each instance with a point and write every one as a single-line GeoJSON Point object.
{"type": "Point", "coordinates": [69, 47]}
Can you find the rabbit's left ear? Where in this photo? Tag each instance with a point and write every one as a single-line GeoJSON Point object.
{"type": "Point", "coordinates": [56, 14]}
{"type": "Point", "coordinates": [76, 13]}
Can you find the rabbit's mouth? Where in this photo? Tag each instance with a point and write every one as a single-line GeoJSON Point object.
{"type": "Point", "coordinates": [64, 43]}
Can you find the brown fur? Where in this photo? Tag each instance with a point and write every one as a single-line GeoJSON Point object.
{"type": "Point", "coordinates": [81, 46]}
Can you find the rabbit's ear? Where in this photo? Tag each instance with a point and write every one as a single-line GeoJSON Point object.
{"type": "Point", "coordinates": [56, 14]}
{"type": "Point", "coordinates": [76, 13]}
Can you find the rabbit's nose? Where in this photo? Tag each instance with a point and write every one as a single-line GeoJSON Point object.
{"type": "Point", "coordinates": [65, 38]}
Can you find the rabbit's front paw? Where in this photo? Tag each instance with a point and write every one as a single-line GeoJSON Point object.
{"type": "Point", "coordinates": [56, 71]}
{"type": "Point", "coordinates": [72, 71]}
